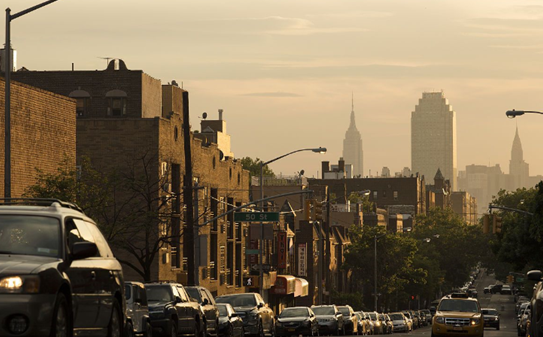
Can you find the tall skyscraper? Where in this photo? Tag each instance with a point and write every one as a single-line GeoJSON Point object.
{"type": "Point", "coordinates": [518, 168]}
{"type": "Point", "coordinates": [433, 137]}
{"type": "Point", "coordinates": [352, 147]}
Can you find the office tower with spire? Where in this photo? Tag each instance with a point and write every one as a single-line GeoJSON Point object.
{"type": "Point", "coordinates": [352, 147]}
{"type": "Point", "coordinates": [433, 137]}
{"type": "Point", "coordinates": [518, 168]}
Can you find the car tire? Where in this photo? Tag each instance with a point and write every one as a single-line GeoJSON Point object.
{"type": "Point", "coordinates": [129, 329]}
{"type": "Point", "coordinates": [148, 330]}
{"type": "Point", "coordinates": [61, 326]}
{"type": "Point", "coordinates": [115, 328]}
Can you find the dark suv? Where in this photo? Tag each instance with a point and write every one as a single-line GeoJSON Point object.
{"type": "Point", "coordinates": [172, 311]}
{"type": "Point", "coordinates": [257, 317]}
{"type": "Point", "coordinates": [207, 302]}
{"type": "Point", "coordinates": [57, 272]}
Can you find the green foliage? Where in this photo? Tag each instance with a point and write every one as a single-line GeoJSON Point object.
{"type": "Point", "coordinates": [520, 242]}
{"type": "Point", "coordinates": [367, 205]}
{"type": "Point", "coordinates": [253, 166]}
{"type": "Point", "coordinates": [355, 299]}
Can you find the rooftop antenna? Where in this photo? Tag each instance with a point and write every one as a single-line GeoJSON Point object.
{"type": "Point", "coordinates": [107, 58]}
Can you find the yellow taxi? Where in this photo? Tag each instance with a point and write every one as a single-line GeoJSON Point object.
{"type": "Point", "coordinates": [458, 314]}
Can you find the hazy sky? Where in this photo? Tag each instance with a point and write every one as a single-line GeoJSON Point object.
{"type": "Point", "coordinates": [284, 70]}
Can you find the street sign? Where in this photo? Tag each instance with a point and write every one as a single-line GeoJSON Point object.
{"type": "Point", "coordinates": [256, 216]}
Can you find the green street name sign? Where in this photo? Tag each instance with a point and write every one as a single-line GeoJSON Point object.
{"type": "Point", "coordinates": [256, 216]}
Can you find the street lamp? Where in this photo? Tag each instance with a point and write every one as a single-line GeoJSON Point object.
{"type": "Point", "coordinates": [375, 270]}
{"type": "Point", "coordinates": [262, 164]}
{"type": "Point", "coordinates": [514, 113]}
{"type": "Point", "coordinates": [7, 92]}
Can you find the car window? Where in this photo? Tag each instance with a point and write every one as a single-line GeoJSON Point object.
{"type": "Point", "coordinates": [294, 312]}
{"type": "Point", "coordinates": [127, 291]}
{"type": "Point", "coordinates": [89, 232]}
{"type": "Point", "coordinates": [183, 294]}
{"type": "Point", "coordinates": [30, 235]}
{"type": "Point", "coordinates": [194, 293]}
{"type": "Point", "coordinates": [242, 300]}
{"type": "Point", "coordinates": [323, 310]}
{"type": "Point", "coordinates": [159, 293]}
{"type": "Point", "coordinates": [223, 311]}
{"type": "Point", "coordinates": [209, 297]}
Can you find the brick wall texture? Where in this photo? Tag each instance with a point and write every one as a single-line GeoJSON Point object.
{"type": "Point", "coordinates": [43, 134]}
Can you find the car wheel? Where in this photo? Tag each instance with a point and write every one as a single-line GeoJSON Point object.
{"type": "Point", "coordinates": [173, 328]}
{"type": "Point", "coordinates": [115, 328]}
{"type": "Point", "coordinates": [148, 330]}
{"type": "Point", "coordinates": [129, 329]}
{"type": "Point", "coordinates": [61, 318]}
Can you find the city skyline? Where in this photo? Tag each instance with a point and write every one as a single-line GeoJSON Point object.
{"type": "Point", "coordinates": [284, 74]}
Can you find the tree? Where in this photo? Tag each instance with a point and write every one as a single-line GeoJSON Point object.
{"type": "Point", "coordinates": [367, 205]}
{"type": "Point", "coordinates": [130, 204]}
{"type": "Point", "coordinates": [253, 166]}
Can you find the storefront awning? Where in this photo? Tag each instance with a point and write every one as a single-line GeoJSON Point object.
{"type": "Point", "coordinates": [284, 285]}
{"type": "Point", "coordinates": [301, 287]}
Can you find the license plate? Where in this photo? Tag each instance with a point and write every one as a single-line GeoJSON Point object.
{"type": "Point", "coordinates": [291, 329]}
{"type": "Point", "coordinates": [457, 328]}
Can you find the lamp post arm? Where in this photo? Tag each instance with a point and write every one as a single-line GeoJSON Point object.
{"type": "Point", "coordinates": [288, 154]}
{"type": "Point", "coordinates": [490, 207]}
{"type": "Point", "coordinates": [31, 9]}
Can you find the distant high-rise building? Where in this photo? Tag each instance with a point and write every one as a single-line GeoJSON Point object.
{"type": "Point", "coordinates": [352, 147]}
{"type": "Point", "coordinates": [433, 137]}
{"type": "Point", "coordinates": [518, 168]}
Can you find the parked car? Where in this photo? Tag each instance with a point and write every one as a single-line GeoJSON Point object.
{"type": "Point", "coordinates": [362, 324]}
{"type": "Point", "coordinates": [330, 319]}
{"type": "Point", "coordinates": [207, 303]}
{"type": "Point", "coordinates": [410, 324]}
{"type": "Point", "coordinates": [487, 289]}
{"type": "Point", "coordinates": [230, 324]}
{"type": "Point", "coordinates": [57, 272]}
{"type": "Point", "coordinates": [138, 322]}
{"type": "Point", "coordinates": [506, 290]}
{"type": "Point", "coordinates": [258, 318]}
{"type": "Point", "coordinates": [536, 305]}
{"type": "Point", "coordinates": [399, 321]}
{"type": "Point", "coordinates": [415, 318]}
{"type": "Point", "coordinates": [378, 327]}
{"type": "Point", "coordinates": [172, 312]}
{"type": "Point", "coordinates": [388, 327]}
{"type": "Point", "coordinates": [369, 323]}
{"type": "Point", "coordinates": [427, 315]}
{"type": "Point", "coordinates": [523, 320]}
{"type": "Point", "coordinates": [296, 321]}
{"type": "Point", "coordinates": [350, 319]}
{"type": "Point", "coordinates": [491, 317]}
{"type": "Point", "coordinates": [496, 288]}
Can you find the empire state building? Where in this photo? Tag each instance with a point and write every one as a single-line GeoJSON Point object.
{"type": "Point", "coordinates": [352, 147]}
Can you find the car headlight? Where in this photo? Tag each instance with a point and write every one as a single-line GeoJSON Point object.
{"type": "Point", "coordinates": [440, 320]}
{"type": "Point", "coordinates": [475, 321]}
{"type": "Point", "coordinates": [24, 284]}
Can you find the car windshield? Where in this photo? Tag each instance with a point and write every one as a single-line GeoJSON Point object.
{"type": "Point", "coordinates": [490, 312]}
{"type": "Point", "coordinates": [30, 235]}
{"type": "Point", "coordinates": [222, 310]}
{"type": "Point", "coordinates": [194, 293]}
{"type": "Point", "coordinates": [373, 316]}
{"type": "Point", "coordinates": [396, 317]}
{"type": "Point", "coordinates": [294, 312]}
{"type": "Point", "coordinates": [458, 305]}
{"type": "Point", "coordinates": [159, 293]}
{"type": "Point", "coordinates": [345, 311]}
{"type": "Point", "coordinates": [243, 300]}
{"type": "Point", "coordinates": [323, 310]}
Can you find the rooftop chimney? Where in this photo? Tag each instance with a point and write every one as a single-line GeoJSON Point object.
{"type": "Point", "coordinates": [220, 114]}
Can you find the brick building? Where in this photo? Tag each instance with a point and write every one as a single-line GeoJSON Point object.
{"type": "Point", "coordinates": [43, 129]}
{"type": "Point", "coordinates": [129, 123]}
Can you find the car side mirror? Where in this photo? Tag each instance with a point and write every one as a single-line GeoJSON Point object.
{"type": "Point", "coordinates": [82, 250]}
{"type": "Point", "coordinates": [205, 302]}
{"type": "Point", "coordinates": [260, 305]}
{"type": "Point", "coordinates": [177, 299]}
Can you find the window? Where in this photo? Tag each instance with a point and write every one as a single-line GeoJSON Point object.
{"type": "Point", "coordinates": [395, 195]}
{"type": "Point", "coordinates": [116, 100]}
{"type": "Point", "coordinates": [82, 98]}
{"type": "Point", "coordinates": [374, 195]}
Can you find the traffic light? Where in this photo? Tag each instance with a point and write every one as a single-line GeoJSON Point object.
{"type": "Point", "coordinates": [317, 206]}
{"type": "Point", "coordinates": [496, 224]}
{"type": "Point", "coordinates": [486, 223]}
{"type": "Point", "coordinates": [308, 209]}
{"type": "Point", "coordinates": [510, 279]}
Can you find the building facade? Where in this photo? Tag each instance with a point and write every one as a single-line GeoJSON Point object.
{"type": "Point", "coordinates": [130, 124]}
{"type": "Point", "coordinates": [433, 137]}
{"type": "Point", "coordinates": [352, 148]}
{"type": "Point", "coordinates": [43, 135]}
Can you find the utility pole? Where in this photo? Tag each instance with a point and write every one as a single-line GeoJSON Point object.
{"type": "Point", "coordinates": [188, 231]}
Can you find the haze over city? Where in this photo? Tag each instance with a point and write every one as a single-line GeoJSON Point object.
{"type": "Point", "coordinates": [284, 71]}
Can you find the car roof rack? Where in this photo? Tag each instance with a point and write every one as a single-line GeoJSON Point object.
{"type": "Point", "coordinates": [39, 202]}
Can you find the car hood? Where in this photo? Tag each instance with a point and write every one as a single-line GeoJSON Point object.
{"type": "Point", "coordinates": [462, 314]}
{"type": "Point", "coordinates": [24, 264]}
{"type": "Point", "coordinates": [157, 306]}
{"type": "Point", "coordinates": [398, 321]}
{"type": "Point", "coordinates": [292, 319]}
{"type": "Point", "coordinates": [244, 309]}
